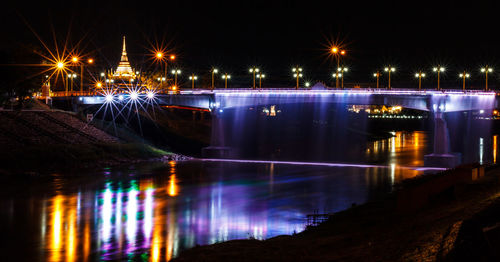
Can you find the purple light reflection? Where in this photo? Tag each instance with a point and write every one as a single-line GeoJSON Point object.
{"type": "Point", "coordinates": [317, 164]}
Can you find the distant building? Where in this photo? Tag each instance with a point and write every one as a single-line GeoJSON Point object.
{"type": "Point", "coordinates": [124, 73]}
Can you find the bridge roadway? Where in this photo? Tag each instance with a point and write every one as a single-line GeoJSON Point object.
{"type": "Point", "coordinates": [437, 102]}
{"type": "Point", "coordinates": [426, 100]}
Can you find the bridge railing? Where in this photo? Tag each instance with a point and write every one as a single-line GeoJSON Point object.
{"type": "Point", "coordinates": [402, 91]}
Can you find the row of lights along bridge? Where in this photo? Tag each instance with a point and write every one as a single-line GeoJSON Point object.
{"type": "Point", "coordinates": [297, 73]}
{"type": "Point", "coordinates": [339, 75]}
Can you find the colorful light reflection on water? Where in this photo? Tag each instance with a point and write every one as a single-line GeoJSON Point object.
{"type": "Point", "coordinates": [157, 216]}
{"type": "Point", "coordinates": [158, 211]}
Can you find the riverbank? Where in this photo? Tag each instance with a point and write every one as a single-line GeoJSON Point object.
{"type": "Point", "coordinates": [56, 157]}
{"type": "Point", "coordinates": [380, 231]}
{"type": "Point", "coordinates": [38, 140]}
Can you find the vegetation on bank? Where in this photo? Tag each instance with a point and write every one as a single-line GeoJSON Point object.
{"type": "Point", "coordinates": [68, 156]}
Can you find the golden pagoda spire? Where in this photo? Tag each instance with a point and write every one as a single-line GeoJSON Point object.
{"type": "Point", "coordinates": [124, 69]}
{"type": "Point", "coordinates": [124, 51]}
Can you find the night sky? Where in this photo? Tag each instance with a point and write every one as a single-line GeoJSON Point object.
{"type": "Point", "coordinates": [274, 35]}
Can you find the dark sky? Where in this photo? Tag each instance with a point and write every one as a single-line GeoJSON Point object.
{"type": "Point", "coordinates": [274, 35]}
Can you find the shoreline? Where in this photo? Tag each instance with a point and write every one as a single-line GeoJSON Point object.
{"type": "Point", "coordinates": [37, 161]}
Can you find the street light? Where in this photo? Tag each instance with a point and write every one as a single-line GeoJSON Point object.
{"type": "Point", "coordinates": [176, 72]}
{"type": "Point", "coordinates": [76, 61]}
{"type": "Point", "coordinates": [377, 75]}
{"type": "Point", "coordinates": [254, 70]}
{"type": "Point", "coordinates": [297, 74]}
{"type": "Point", "coordinates": [438, 69]}
{"type": "Point", "coordinates": [337, 53]}
{"type": "Point", "coordinates": [260, 76]}
{"type": "Point", "coordinates": [337, 75]}
{"type": "Point", "coordinates": [134, 95]}
{"type": "Point", "coordinates": [192, 77]}
{"type": "Point", "coordinates": [214, 71]}
{"type": "Point", "coordinates": [389, 69]}
{"type": "Point", "coordinates": [226, 76]}
{"type": "Point", "coordinates": [486, 70]}
{"type": "Point", "coordinates": [71, 76]}
{"type": "Point", "coordinates": [162, 58]}
{"type": "Point", "coordinates": [464, 75]}
{"type": "Point", "coordinates": [341, 70]}
{"type": "Point", "coordinates": [419, 75]}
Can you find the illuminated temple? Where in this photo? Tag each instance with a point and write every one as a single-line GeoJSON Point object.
{"type": "Point", "coordinates": [124, 71]}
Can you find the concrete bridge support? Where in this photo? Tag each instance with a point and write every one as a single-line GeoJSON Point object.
{"type": "Point", "coordinates": [217, 148]}
{"type": "Point", "coordinates": [441, 155]}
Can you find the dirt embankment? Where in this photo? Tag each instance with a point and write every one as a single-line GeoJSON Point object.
{"type": "Point", "coordinates": [439, 229]}
{"type": "Point", "coordinates": [41, 140]}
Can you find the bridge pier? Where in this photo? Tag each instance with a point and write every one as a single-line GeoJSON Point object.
{"type": "Point", "coordinates": [441, 155]}
{"type": "Point", "coordinates": [217, 148]}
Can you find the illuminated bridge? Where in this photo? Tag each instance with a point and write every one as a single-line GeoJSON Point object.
{"type": "Point", "coordinates": [435, 102]}
{"type": "Point", "coordinates": [427, 100]}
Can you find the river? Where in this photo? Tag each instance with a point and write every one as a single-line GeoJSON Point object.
{"type": "Point", "coordinates": [153, 211]}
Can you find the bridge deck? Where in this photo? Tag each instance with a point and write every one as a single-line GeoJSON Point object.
{"type": "Point", "coordinates": [427, 100]}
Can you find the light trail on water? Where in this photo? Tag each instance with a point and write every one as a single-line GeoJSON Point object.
{"type": "Point", "coordinates": [318, 164]}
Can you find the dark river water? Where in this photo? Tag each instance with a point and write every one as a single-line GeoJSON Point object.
{"type": "Point", "coordinates": [153, 211]}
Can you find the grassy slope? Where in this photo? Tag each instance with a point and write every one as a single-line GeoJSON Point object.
{"type": "Point", "coordinates": [59, 156]}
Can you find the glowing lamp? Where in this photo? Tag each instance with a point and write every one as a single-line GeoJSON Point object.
{"type": "Point", "coordinates": [109, 98]}
{"type": "Point", "coordinates": [172, 57]}
{"type": "Point", "coordinates": [60, 65]}
{"type": "Point", "coordinates": [134, 95]}
{"type": "Point", "coordinates": [74, 59]}
{"type": "Point", "coordinates": [90, 61]}
{"type": "Point", "coordinates": [150, 95]}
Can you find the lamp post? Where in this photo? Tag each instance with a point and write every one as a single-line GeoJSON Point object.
{"type": "Point", "coordinates": [254, 70]}
{"type": "Point", "coordinates": [377, 75]}
{"type": "Point", "coordinates": [163, 60]}
{"type": "Point", "coordinates": [419, 75]}
{"type": "Point", "coordinates": [337, 52]}
{"type": "Point", "coordinates": [337, 75]}
{"type": "Point", "coordinates": [389, 69]}
{"type": "Point", "coordinates": [464, 75]}
{"type": "Point", "coordinates": [76, 61]}
{"type": "Point", "coordinates": [214, 71]}
{"type": "Point", "coordinates": [297, 74]}
{"type": "Point", "coordinates": [161, 79]}
{"type": "Point", "coordinates": [342, 70]}
{"type": "Point", "coordinates": [176, 72]}
{"type": "Point", "coordinates": [192, 77]}
{"type": "Point", "coordinates": [71, 76]}
{"type": "Point", "coordinates": [438, 69]}
{"type": "Point", "coordinates": [486, 70]}
{"type": "Point", "coordinates": [260, 76]}
{"type": "Point", "coordinates": [226, 76]}
{"type": "Point", "coordinates": [90, 61]}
